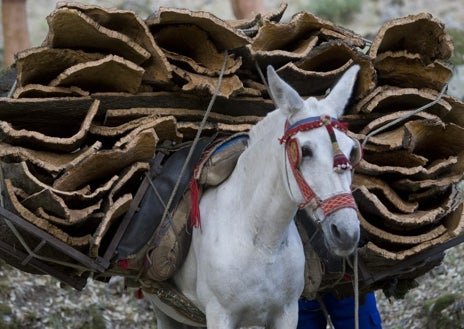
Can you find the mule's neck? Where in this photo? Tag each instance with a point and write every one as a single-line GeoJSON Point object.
{"type": "Point", "coordinates": [263, 184]}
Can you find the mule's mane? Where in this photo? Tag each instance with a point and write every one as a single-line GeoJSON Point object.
{"type": "Point", "coordinates": [273, 123]}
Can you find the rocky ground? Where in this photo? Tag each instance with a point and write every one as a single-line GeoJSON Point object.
{"type": "Point", "coordinates": [39, 302]}
{"type": "Point", "coordinates": [34, 302]}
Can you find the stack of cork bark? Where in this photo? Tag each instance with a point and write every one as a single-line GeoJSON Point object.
{"type": "Point", "coordinates": [106, 89]}
{"type": "Point", "coordinates": [408, 185]}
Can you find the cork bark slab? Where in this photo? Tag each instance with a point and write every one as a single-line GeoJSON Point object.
{"type": "Point", "coordinates": [22, 177]}
{"type": "Point", "coordinates": [278, 57]}
{"type": "Point", "coordinates": [71, 28]}
{"type": "Point", "coordinates": [165, 127]}
{"type": "Point", "coordinates": [394, 241]}
{"type": "Point", "coordinates": [375, 256]}
{"type": "Point", "coordinates": [116, 117]}
{"type": "Point", "coordinates": [223, 35]}
{"type": "Point", "coordinates": [374, 169]}
{"type": "Point", "coordinates": [390, 99]}
{"type": "Point", "coordinates": [40, 91]}
{"type": "Point", "coordinates": [300, 27]}
{"type": "Point", "coordinates": [206, 86]}
{"type": "Point", "coordinates": [54, 209]}
{"type": "Point", "coordinates": [41, 65]}
{"type": "Point", "coordinates": [386, 192]}
{"type": "Point", "coordinates": [322, 68]}
{"type": "Point", "coordinates": [252, 24]}
{"type": "Point", "coordinates": [191, 48]}
{"type": "Point", "coordinates": [418, 34]}
{"type": "Point", "coordinates": [128, 182]}
{"type": "Point", "coordinates": [404, 116]}
{"type": "Point", "coordinates": [371, 206]}
{"type": "Point", "coordinates": [444, 181]}
{"type": "Point", "coordinates": [433, 140]}
{"type": "Point", "coordinates": [40, 141]}
{"type": "Point", "coordinates": [77, 242]}
{"type": "Point", "coordinates": [387, 141]}
{"type": "Point", "coordinates": [117, 210]}
{"type": "Point", "coordinates": [110, 74]}
{"type": "Point", "coordinates": [51, 162]}
{"type": "Point", "coordinates": [107, 163]}
{"type": "Point", "coordinates": [189, 129]}
{"type": "Point", "coordinates": [406, 70]}
{"type": "Point", "coordinates": [400, 158]}
{"type": "Point", "coordinates": [455, 114]}
{"type": "Point", "coordinates": [126, 22]}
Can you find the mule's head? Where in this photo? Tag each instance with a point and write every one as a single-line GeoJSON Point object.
{"type": "Point", "coordinates": [320, 157]}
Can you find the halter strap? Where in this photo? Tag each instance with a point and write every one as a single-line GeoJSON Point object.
{"type": "Point", "coordinates": [341, 163]}
{"type": "Point", "coordinates": [311, 123]}
{"type": "Point", "coordinates": [329, 205]}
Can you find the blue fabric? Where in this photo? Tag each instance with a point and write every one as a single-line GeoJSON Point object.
{"type": "Point", "coordinates": [341, 313]}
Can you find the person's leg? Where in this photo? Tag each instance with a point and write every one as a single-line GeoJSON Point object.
{"type": "Point", "coordinates": [247, 8]}
{"type": "Point", "coordinates": [342, 312]}
{"type": "Point", "coordinates": [310, 315]}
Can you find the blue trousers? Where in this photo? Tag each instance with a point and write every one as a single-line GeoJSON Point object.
{"type": "Point", "coordinates": [341, 313]}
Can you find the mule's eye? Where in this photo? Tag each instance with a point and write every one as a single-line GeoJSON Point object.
{"type": "Point", "coordinates": [306, 151]}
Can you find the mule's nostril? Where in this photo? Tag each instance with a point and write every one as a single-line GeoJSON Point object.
{"type": "Point", "coordinates": [336, 232]}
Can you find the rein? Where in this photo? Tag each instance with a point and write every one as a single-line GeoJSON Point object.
{"type": "Point", "coordinates": [340, 164]}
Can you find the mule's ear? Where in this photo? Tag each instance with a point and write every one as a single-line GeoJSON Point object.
{"type": "Point", "coordinates": [284, 96]}
{"type": "Point", "coordinates": [341, 92]}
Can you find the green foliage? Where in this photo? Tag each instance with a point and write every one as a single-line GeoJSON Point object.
{"type": "Point", "coordinates": [7, 318]}
{"type": "Point", "coordinates": [444, 312]}
{"type": "Point", "coordinates": [337, 11]}
{"type": "Point", "coordinates": [434, 306]}
{"type": "Point", "coordinates": [95, 319]}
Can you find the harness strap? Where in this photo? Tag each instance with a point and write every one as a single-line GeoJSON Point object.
{"type": "Point", "coordinates": [308, 193]}
{"type": "Point", "coordinates": [339, 201]}
{"type": "Point", "coordinates": [340, 164]}
{"type": "Point", "coordinates": [311, 123]}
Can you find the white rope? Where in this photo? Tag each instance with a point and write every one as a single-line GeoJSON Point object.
{"type": "Point", "coordinates": [394, 122]}
{"type": "Point", "coordinates": [12, 89]}
{"type": "Point", "coordinates": [356, 290]}
{"type": "Point", "coordinates": [196, 139]}
{"type": "Point", "coordinates": [197, 136]}
{"type": "Point", "coordinates": [32, 253]}
{"type": "Point", "coordinates": [190, 154]}
{"type": "Point", "coordinates": [326, 312]}
{"type": "Point", "coordinates": [355, 268]}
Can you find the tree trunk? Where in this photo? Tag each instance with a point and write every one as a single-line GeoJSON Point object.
{"type": "Point", "coordinates": [15, 32]}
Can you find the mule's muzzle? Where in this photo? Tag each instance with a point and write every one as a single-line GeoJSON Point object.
{"type": "Point", "coordinates": [342, 232]}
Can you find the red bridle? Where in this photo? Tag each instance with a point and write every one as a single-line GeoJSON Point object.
{"type": "Point", "coordinates": [341, 163]}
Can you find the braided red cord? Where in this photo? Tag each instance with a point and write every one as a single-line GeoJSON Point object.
{"type": "Point", "coordinates": [332, 204]}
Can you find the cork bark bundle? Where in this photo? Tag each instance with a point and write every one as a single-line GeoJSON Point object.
{"type": "Point", "coordinates": [106, 89]}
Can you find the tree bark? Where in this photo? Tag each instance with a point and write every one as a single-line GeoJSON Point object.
{"type": "Point", "coordinates": [15, 31]}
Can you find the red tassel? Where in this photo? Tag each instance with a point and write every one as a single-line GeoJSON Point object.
{"type": "Point", "coordinates": [341, 163]}
{"type": "Point", "coordinates": [347, 277]}
{"type": "Point", "coordinates": [124, 264]}
{"type": "Point", "coordinates": [138, 294]}
{"type": "Point", "coordinates": [195, 219]}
